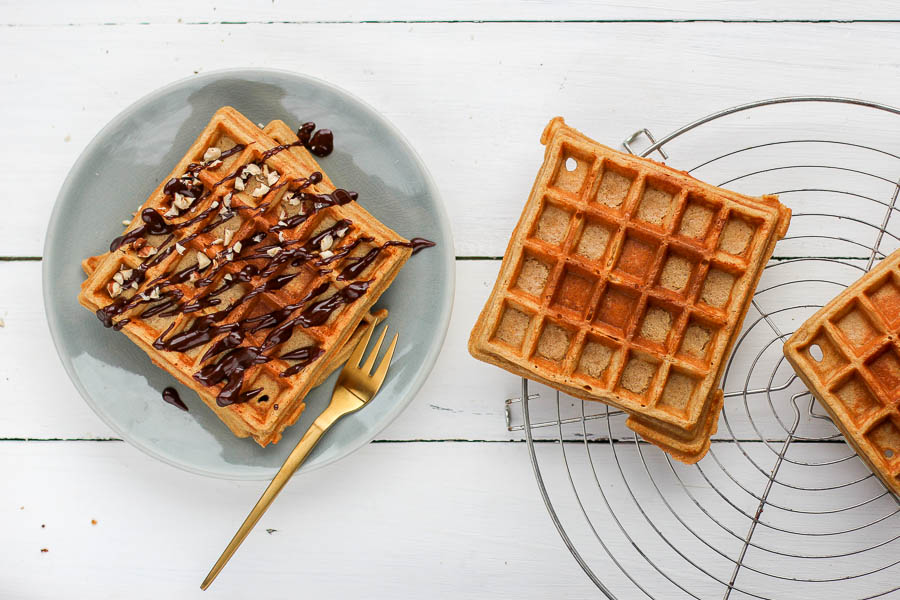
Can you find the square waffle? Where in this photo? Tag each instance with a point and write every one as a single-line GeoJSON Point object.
{"type": "Point", "coordinates": [281, 133]}
{"type": "Point", "coordinates": [848, 355]}
{"type": "Point", "coordinates": [244, 273]}
{"type": "Point", "coordinates": [626, 281]}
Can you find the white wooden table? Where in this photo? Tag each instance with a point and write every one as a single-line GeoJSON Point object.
{"type": "Point", "coordinates": [444, 503]}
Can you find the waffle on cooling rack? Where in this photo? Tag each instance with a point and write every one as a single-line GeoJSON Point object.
{"type": "Point", "coordinates": [626, 281]}
{"type": "Point", "coordinates": [848, 355]}
{"type": "Point", "coordinates": [245, 273]}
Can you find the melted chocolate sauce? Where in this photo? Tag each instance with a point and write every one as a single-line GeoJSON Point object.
{"type": "Point", "coordinates": [171, 396]}
{"type": "Point", "coordinates": [358, 265]}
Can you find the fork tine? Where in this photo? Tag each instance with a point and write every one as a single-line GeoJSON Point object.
{"type": "Point", "coordinates": [378, 376]}
{"type": "Point", "coordinates": [360, 349]}
{"type": "Point", "coordinates": [374, 353]}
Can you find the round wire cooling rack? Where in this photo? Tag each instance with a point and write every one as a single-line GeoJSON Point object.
{"type": "Point", "coordinates": [780, 507]}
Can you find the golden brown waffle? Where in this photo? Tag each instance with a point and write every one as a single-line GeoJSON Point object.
{"type": "Point", "coordinates": [268, 257]}
{"type": "Point", "coordinates": [848, 355]}
{"type": "Point", "coordinates": [626, 281]}
{"type": "Point", "coordinates": [281, 133]}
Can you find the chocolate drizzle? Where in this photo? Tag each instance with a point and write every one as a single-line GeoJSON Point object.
{"type": "Point", "coordinates": [228, 357]}
{"type": "Point", "coordinates": [171, 396]}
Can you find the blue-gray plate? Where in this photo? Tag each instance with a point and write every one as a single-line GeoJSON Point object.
{"type": "Point", "coordinates": [127, 160]}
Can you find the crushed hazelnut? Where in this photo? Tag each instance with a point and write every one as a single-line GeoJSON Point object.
{"type": "Point", "coordinates": [239, 184]}
{"type": "Point", "coordinates": [203, 260]}
{"type": "Point", "coordinates": [119, 278]}
{"type": "Point", "coordinates": [179, 248]}
{"type": "Point", "coordinates": [273, 177]}
{"type": "Point", "coordinates": [229, 233]}
{"type": "Point", "coordinates": [341, 232]}
{"type": "Point", "coordinates": [154, 294]}
{"type": "Point", "coordinates": [217, 241]}
{"type": "Point", "coordinates": [293, 201]}
{"type": "Point", "coordinates": [326, 242]}
{"type": "Point", "coordinates": [182, 202]}
{"type": "Point", "coordinates": [126, 222]}
{"type": "Point", "coordinates": [172, 212]}
{"type": "Point", "coordinates": [273, 251]}
{"type": "Point", "coordinates": [138, 244]}
{"type": "Point", "coordinates": [227, 277]}
{"type": "Point", "coordinates": [237, 247]}
{"type": "Point", "coordinates": [212, 153]}
{"type": "Point", "coordinates": [326, 254]}
{"type": "Point", "coordinates": [251, 169]}
{"type": "Point", "coordinates": [126, 273]}
{"type": "Point", "coordinates": [260, 191]}
{"type": "Point", "coordinates": [146, 251]}
{"type": "Point", "coordinates": [113, 288]}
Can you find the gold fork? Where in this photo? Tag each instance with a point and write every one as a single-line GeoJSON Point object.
{"type": "Point", "coordinates": [354, 388]}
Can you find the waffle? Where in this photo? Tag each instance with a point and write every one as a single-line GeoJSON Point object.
{"type": "Point", "coordinates": [626, 281]}
{"type": "Point", "coordinates": [250, 275]}
{"type": "Point", "coordinates": [848, 355]}
{"type": "Point", "coordinates": [281, 133]}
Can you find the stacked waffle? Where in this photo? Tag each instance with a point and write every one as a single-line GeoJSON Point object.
{"type": "Point", "coordinates": [848, 354]}
{"type": "Point", "coordinates": [626, 281]}
{"type": "Point", "coordinates": [246, 273]}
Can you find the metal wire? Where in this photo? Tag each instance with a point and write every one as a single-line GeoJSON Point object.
{"type": "Point", "coordinates": [755, 518]}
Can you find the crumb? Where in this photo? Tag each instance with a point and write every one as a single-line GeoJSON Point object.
{"type": "Point", "coordinates": [44, 550]}
{"type": "Point", "coordinates": [271, 531]}
{"type": "Point", "coordinates": [93, 521]}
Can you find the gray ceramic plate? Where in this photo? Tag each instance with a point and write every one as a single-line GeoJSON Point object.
{"type": "Point", "coordinates": [126, 161]}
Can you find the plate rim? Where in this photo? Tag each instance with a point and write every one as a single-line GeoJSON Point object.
{"type": "Point", "coordinates": [247, 73]}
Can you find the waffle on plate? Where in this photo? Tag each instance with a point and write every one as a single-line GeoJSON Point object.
{"type": "Point", "coordinates": [626, 281]}
{"type": "Point", "coordinates": [848, 354]}
{"type": "Point", "coordinates": [245, 273]}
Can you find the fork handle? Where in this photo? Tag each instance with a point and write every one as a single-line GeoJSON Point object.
{"type": "Point", "coordinates": [287, 470]}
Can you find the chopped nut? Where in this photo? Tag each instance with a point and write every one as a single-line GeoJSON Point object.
{"type": "Point", "coordinates": [227, 277]}
{"type": "Point", "coordinates": [282, 224]}
{"type": "Point", "coordinates": [126, 222]}
{"type": "Point", "coordinates": [126, 273]}
{"type": "Point", "coordinates": [113, 288]}
{"type": "Point", "coordinates": [301, 211]}
{"type": "Point", "coordinates": [341, 232]}
{"type": "Point", "coordinates": [217, 241]}
{"type": "Point", "coordinates": [259, 237]}
{"type": "Point", "coordinates": [118, 278]}
{"type": "Point", "coordinates": [146, 251]}
{"type": "Point", "coordinates": [229, 256]}
{"type": "Point", "coordinates": [215, 204]}
{"type": "Point", "coordinates": [212, 153]}
{"type": "Point", "coordinates": [134, 285]}
{"type": "Point", "coordinates": [293, 201]}
{"type": "Point", "coordinates": [282, 215]}
{"type": "Point", "coordinates": [226, 201]}
{"type": "Point", "coordinates": [251, 169]}
{"type": "Point", "coordinates": [172, 212]}
{"type": "Point", "coordinates": [229, 233]}
{"type": "Point", "coordinates": [261, 191]}
{"type": "Point", "coordinates": [273, 177]}
{"type": "Point", "coordinates": [202, 260]}
{"type": "Point", "coordinates": [273, 251]}
{"type": "Point", "coordinates": [193, 276]}
{"type": "Point", "coordinates": [213, 164]}
{"type": "Point", "coordinates": [182, 202]}
{"type": "Point", "coordinates": [179, 248]}
{"type": "Point", "coordinates": [280, 236]}
{"type": "Point", "coordinates": [154, 294]}
{"type": "Point", "coordinates": [326, 242]}
{"type": "Point", "coordinates": [239, 184]}
{"type": "Point", "coordinates": [326, 254]}
{"type": "Point", "coordinates": [237, 247]}
{"type": "Point", "coordinates": [138, 244]}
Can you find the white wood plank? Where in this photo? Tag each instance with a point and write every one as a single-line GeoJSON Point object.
{"type": "Point", "coordinates": [399, 521]}
{"type": "Point", "coordinates": [411, 520]}
{"type": "Point", "coordinates": [256, 11]}
{"type": "Point", "coordinates": [41, 402]}
{"type": "Point", "coordinates": [472, 98]}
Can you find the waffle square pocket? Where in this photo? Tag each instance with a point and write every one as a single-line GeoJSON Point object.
{"type": "Point", "coordinates": [626, 281]}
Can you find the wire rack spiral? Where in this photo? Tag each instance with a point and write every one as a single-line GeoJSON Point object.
{"type": "Point", "coordinates": [781, 507]}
